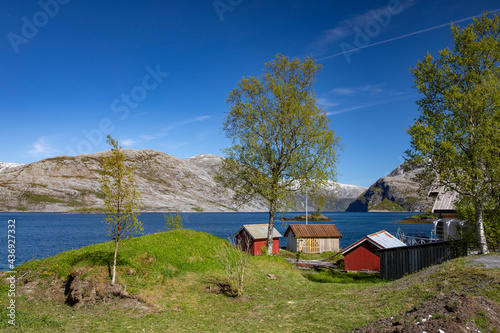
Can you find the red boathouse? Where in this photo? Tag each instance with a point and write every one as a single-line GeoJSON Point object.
{"type": "Point", "coordinates": [360, 256]}
{"type": "Point", "coordinates": [253, 237]}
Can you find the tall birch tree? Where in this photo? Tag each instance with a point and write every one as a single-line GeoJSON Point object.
{"type": "Point", "coordinates": [121, 199]}
{"type": "Point", "coordinates": [281, 138]}
{"type": "Point", "coordinates": [457, 136]}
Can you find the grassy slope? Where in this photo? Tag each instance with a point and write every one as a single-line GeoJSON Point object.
{"type": "Point", "coordinates": [170, 270]}
{"type": "Point", "coordinates": [388, 205]}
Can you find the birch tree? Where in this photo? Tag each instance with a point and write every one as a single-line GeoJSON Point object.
{"type": "Point", "coordinates": [121, 199]}
{"type": "Point", "coordinates": [457, 136]}
{"type": "Point", "coordinates": [281, 139]}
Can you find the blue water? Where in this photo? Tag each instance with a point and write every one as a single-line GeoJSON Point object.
{"type": "Point", "coordinates": [40, 235]}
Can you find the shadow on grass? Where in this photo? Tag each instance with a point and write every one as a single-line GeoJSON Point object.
{"type": "Point", "coordinates": [98, 258]}
{"type": "Point", "coordinates": [332, 276]}
{"type": "Point", "coordinates": [217, 285]}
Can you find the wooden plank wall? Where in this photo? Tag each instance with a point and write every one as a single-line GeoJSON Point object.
{"type": "Point", "coordinates": [397, 262]}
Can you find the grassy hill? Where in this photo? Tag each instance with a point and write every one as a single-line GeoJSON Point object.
{"type": "Point", "coordinates": [387, 205]}
{"type": "Point", "coordinates": [167, 277]}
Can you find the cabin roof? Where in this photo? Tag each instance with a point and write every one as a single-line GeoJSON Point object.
{"type": "Point", "coordinates": [381, 239]}
{"type": "Point", "coordinates": [258, 231]}
{"type": "Point", "coordinates": [314, 230]}
{"type": "Point", "coordinates": [445, 201]}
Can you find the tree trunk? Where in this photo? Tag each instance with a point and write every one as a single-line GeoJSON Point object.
{"type": "Point", "coordinates": [272, 214]}
{"type": "Point", "coordinates": [114, 263]}
{"type": "Point", "coordinates": [483, 246]}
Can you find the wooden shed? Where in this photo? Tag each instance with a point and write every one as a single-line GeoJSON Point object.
{"type": "Point", "coordinates": [445, 227]}
{"type": "Point", "coordinates": [361, 256]}
{"type": "Point", "coordinates": [253, 237]}
{"type": "Point", "coordinates": [312, 238]}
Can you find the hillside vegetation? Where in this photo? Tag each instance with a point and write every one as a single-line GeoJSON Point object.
{"type": "Point", "coordinates": [171, 282]}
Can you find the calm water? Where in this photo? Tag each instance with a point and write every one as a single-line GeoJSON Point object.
{"type": "Point", "coordinates": [40, 235]}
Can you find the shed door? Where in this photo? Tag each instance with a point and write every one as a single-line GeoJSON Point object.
{"type": "Point", "coordinates": [312, 245]}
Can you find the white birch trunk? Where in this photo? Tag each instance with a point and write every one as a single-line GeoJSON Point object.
{"type": "Point", "coordinates": [483, 246]}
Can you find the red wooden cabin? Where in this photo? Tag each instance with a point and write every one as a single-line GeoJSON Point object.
{"type": "Point", "coordinates": [253, 237]}
{"type": "Point", "coordinates": [360, 256]}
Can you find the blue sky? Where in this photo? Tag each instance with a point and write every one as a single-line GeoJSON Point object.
{"type": "Point", "coordinates": [156, 74]}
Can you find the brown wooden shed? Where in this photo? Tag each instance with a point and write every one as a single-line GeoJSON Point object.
{"type": "Point", "coordinates": [312, 238]}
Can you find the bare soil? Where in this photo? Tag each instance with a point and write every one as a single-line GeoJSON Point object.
{"type": "Point", "coordinates": [451, 313]}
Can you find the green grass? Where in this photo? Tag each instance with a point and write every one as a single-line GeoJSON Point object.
{"type": "Point", "coordinates": [170, 271]}
{"type": "Point", "coordinates": [311, 256]}
{"type": "Point", "coordinates": [39, 198]}
{"type": "Point", "coordinates": [332, 276]}
{"type": "Point", "coordinates": [389, 205]}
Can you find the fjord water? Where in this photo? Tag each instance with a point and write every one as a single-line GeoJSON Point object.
{"type": "Point", "coordinates": [39, 235]}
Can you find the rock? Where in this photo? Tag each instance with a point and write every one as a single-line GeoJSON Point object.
{"type": "Point", "coordinates": [271, 276]}
{"type": "Point", "coordinates": [310, 217]}
{"type": "Point", "coordinates": [399, 187]}
{"type": "Point", "coordinates": [71, 184]}
{"type": "Point", "coordinates": [165, 182]}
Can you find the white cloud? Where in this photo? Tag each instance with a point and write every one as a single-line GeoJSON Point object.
{"type": "Point", "coordinates": [347, 27]}
{"type": "Point", "coordinates": [147, 137]}
{"type": "Point", "coordinates": [164, 132]}
{"type": "Point", "coordinates": [129, 142]}
{"type": "Point", "coordinates": [325, 102]}
{"type": "Point", "coordinates": [43, 148]}
{"type": "Point", "coordinates": [363, 106]}
{"type": "Point", "coordinates": [367, 89]}
{"type": "Point", "coordinates": [343, 91]}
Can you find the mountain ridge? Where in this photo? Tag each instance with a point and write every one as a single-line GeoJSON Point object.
{"type": "Point", "coordinates": [399, 187]}
{"type": "Point", "coordinates": [166, 183]}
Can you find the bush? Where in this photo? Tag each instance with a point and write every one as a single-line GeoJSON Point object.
{"type": "Point", "coordinates": [173, 222]}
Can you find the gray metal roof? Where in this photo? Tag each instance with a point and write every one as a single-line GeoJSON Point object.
{"type": "Point", "coordinates": [385, 239]}
{"type": "Point", "coordinates": [445, 201]}
{"type": "Point", "coordinates": [259, 231]}
{"type": "Point", "coordinates": [381, 239]}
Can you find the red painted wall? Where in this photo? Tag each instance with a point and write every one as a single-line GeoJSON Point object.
{"type": "Point", "coordinates": [256, 248]}
{"type": "Point", "coordinates": [362, 258]}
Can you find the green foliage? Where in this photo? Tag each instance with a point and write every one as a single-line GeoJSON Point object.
{"type": "Point", "coordinates": [491, 215]}
{"type": "Point", "coordinates": [456, 138]}
{"type": "Point", "coordinates": [121, 199]}
{"type": "Point", "coordinates": [234, 261]}
{"type": "Point", "coordinates": [40, 198]}
{"type": "Point", "coordinates": [281, 139]}
{"type": "Point", "coordinates": [173, 222]}
{"type": "Point", "coordinates": [389, 205]}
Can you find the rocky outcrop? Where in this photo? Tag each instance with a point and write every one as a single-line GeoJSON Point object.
{"type": "Point", "coordinates": [67, 184]}
{"type": "Point", "coordinates": [399, 187]}
{"type": "Point", "coordinates": [340, 197]}
{"type": "Point", "coordinates": [165, 182]}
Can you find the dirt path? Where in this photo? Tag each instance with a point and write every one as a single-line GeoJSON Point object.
{"type": "Point", "coordinates": [488, 261]}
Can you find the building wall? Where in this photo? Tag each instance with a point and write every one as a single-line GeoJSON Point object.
{"type": "Point", "coordinates": [244, 240]}
{"type": "Point", "coordinates": [325, 244]}
{"type": "Point", "coordinates": [328, 245]}
{"type": "Point", "coordinates": [362, 258]}
{"type": "Point", "coordinates": [259, 244]}
{"type": "Point", "coordinates": [291, 242]}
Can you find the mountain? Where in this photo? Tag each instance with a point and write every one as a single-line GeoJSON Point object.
{"type": "Point", "coordinates": [166, 183]}
{"type": "Point", "coordinates": [396, 191]}
{"type": "Point", "coordinates": [63, 184]}
{"type": "Point", "coordinates": [6, 165]}
{"type": "Point", "coordinates": [343, 195]}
